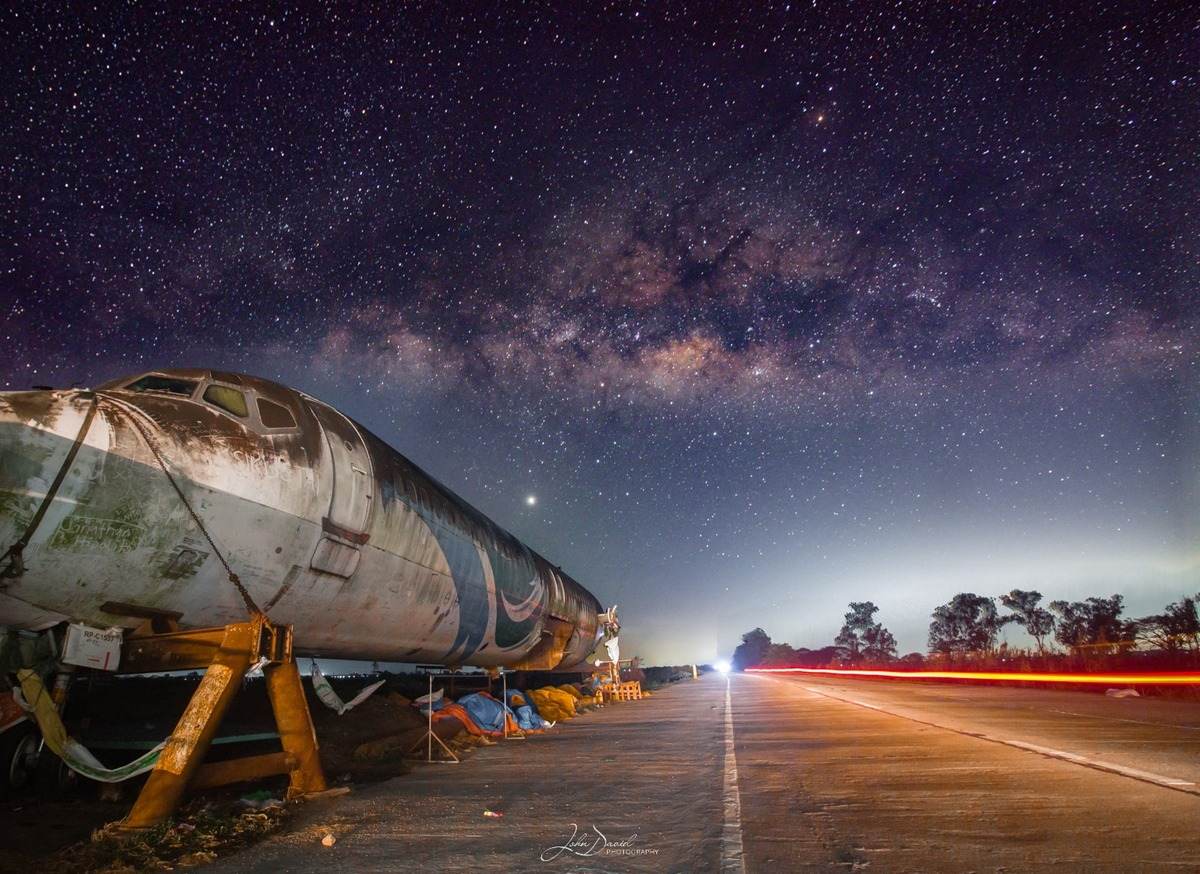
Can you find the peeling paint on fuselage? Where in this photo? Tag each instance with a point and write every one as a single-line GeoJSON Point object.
{"type": "Point", "coordinates": [435, 580]}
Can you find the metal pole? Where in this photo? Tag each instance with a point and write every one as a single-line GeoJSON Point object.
{"type": "Point", "coordinates": [504, 702]}
{"type": "Point", "coordinates": [429, 736]}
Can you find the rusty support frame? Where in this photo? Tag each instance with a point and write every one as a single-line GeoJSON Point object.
{"type": "Point", "coordinates": [296, 732]}
{"type": "Point", "coordinates": [226, 654]}
{"type": "Point", "coordinates": [214, 774]}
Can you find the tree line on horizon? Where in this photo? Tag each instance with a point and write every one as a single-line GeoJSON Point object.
{"type": "Point", "coordinates": [968, 626]}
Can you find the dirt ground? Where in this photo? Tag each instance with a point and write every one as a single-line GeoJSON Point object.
{"type": "Point", "coordinates": [34, 828]}
{"type": "Point", "coordinates": [37, 826]}
{"type": "Point", "coordinates": [364, 746]}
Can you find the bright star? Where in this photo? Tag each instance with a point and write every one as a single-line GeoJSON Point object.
{"type": "Point", "coordinates": [531, 499]}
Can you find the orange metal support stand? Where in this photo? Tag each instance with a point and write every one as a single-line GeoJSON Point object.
{"type": "Point", "coordinates": [226, 654]}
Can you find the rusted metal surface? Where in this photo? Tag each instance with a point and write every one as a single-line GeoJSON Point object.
{"type": "Point", "coordinates": [328, 528]}
{"type": "Point", "coordinates": [214, 774]}
{"type": "Point", "coordinates": [295, 727]}
{"type": "Point", "coordinates": [172, 651]}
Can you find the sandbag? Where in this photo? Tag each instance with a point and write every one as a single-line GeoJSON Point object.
{"type": "Point", "coordinates": [547, 706]}
{"type": "Point", "coordinates": [565, 699]}
{"type": "Point", "coordinates": [553, 704]}
{"type": "Point", "coordinates": [525, 698]}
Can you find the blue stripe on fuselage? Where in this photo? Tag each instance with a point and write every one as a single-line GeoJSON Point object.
{"type": "Point", "coordinates": [466, 572]}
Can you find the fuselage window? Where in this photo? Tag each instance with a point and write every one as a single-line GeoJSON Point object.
{"type": "Point", "coordinates": [228, 399]}
{"type": "Point", "coordinates": [163, 384]}
{"type": "Point", "coordinates": [275, 415]}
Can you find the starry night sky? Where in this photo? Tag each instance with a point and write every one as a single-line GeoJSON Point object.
{"type": "Point", "coordinates": [770, 310]}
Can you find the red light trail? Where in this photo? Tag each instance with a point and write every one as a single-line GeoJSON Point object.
{"type": "Point", "coordinates": [1173, 678]}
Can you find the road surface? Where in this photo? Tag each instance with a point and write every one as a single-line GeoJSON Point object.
{"type": "Point", "coordinates": [827, 782]}
{"type": "Point", "coordinates": [785, 773]}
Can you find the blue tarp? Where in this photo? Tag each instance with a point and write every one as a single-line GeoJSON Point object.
{"type": "Point", "coordinates": [530, 720]}
{"type": "Point", "coordinates": [487, 712]}
{"type": "Point", "coordinates": [525, 712]}
{"type": "Point", "coordinates": [517, 698]}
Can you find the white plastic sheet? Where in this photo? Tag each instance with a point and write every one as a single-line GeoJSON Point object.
{"type": "Point", "coordinates": [614, 650]}
{"type": "Point", "coordinates": [331, 699]}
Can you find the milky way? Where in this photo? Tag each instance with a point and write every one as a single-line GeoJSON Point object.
{"type": "Point", "coordinates": [770, 309]}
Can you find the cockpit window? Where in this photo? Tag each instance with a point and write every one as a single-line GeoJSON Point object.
{"type": "Point", "coordinates": [275, 415]}
{"type": "Point", "coordinates": [228, 399]}
{"type": "Point", "coordinates": [164, 384]}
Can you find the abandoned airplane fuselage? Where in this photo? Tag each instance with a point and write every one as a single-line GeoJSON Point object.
{"type": "Point", "coordinates": [328, 528]}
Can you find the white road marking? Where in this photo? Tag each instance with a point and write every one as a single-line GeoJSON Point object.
{"type": "Point", "coordinates": [1145, 776]}
{"type": "Point", "coordinates": [1093, 763]}
{"type": "Point", "coordinates": [732, 858]}
{"type": "Point", "coordinates": [1123, 719]}
{"type": "Point", "coordinates": [943, 695]}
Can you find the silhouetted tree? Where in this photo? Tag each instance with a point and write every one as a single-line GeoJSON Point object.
{"type": "Point", "coordinates": [848, 639]}
{"type": "Point", "coordinates": [779, 655]}
{"type": "Point", "coordinates": [751, 651]}
{"type": "Point", "coordinates": [862, 637]}
{"type": "Point", "coordinates": [968, 623]}
{"type": "Point", "coordinates": [818, 658]}
{"type": "Point", "coordinates": [1094, 623]}
{"type": "Point", "coordinates": [879, 645]}
{"type": "Point", "coordinates": [1176, 628]}
{"type": "Point", "coordinates": [1037, 621]}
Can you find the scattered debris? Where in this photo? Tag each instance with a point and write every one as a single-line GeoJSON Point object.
{"type": "Point", "coordinates": [259, 799]}
{"type": "Point", "coordinates": [200, 857]}
{"type": "Point", "coordinates": [375, 742]}
{"type": "Point", "coordinates": [199, 833]}
{"type": "Point", "coordinates": [1122, 693]}
{"type": "Point", "coordinates": [329, 840]}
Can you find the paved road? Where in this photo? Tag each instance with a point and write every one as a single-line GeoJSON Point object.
{"type": "Point", "coordinates": [647, 775]}
{"type": "Point", "coordinates": [909, 782]}
{"type": "Point", "coordinates": [776, 773]}
{"type": "Point", "coordinates": [1157, 739]}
